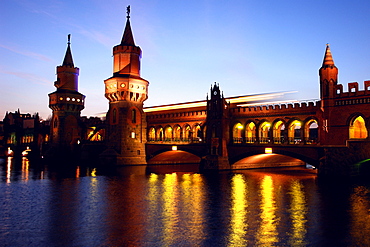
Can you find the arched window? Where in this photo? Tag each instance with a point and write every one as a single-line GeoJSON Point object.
{"type": "Point", "coordinates": [152, 134]}
{"type": "Point", "coordinates": [264, 132]}
{"type": "Point", "coordinates": [197, 133]}
{"type": "Point", "coordinates": [294, 132]}
{"type": "Point", "coordinates": [237, 133]}
{"type": "Point", "coordinates": [357, 129]}
{"type": "Point", "coordinates": [250, 133]}
{"type": "Point", "coordinates": [187, 134]}
{"type": "Point", "coordinates": [160, 134]}
{"type": "Point", "coordinates": [311, 132]}
{"type": "Point", "coordinates": [168, 133]}
{"type": "Point", "coordinates": [278, 132]}
{"type": "Point", "coordinates": [177, 133]}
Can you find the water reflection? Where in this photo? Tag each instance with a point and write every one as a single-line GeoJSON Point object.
{"type": "Point", "coordinates": [298, 211]}
{"type": "Point", "coordinates": [360, 216]}
{"type": "Point", "coordinates": [239, 209]}
{"type": "Point", "coordinates": [87, 207]}
{"type": "Point", "coordinates": [267, 234]}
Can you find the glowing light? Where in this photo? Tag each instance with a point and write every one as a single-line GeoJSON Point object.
{"type": "Point", "coordinates": [238, 211]}
{"type": "Point", "coordinates": [133, 135]}
{"type": "Point", "coordinates": [231, 100]}
{"type": "Point", "coordinates": [267, 234]}
{"type": "Point", "coordinates": [93, 173]}
{"type": "Point", "coordinates": [174, 148]}
{"type": "Point", "coordinates": [9, 152]}
{"type": "Point", "coordinates": [268, 150]}
{"type": "Point", "coordinates": [298, 214]}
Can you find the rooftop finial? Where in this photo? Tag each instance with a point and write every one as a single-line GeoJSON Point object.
{"type": "Point", "coordinates": [69, 39]}
{"type": "Point", "coordinates": [128, 11]}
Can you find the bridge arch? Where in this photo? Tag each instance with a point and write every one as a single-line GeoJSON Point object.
{"type": "Point", "coordinates": [264, 127]}
{"type": "Point", "coordinates": [278, 131]}
{"type": "Point", "coordinates": [250, 132]}
{"type": "Point", "coordinates": [300, 156]}
{"type": "Point", "coordinates": [311, 130]}
{"type": "Point", "coordinates": [151, 134]}
{"type": "Point", "coordinates": [357, 127]}
{"type": "Point", "coordinates": [168, 133]}
{"type": "Point", "coordinates": [177, 133]}
{"type": "Point", "coordinates": [294, 131]}
{"type": "Point", "coordinates": [237, 132]}
{"type": "Point", "coordinates": [159, 133]}
{"type": "Point", "coordinates": [183, 156]}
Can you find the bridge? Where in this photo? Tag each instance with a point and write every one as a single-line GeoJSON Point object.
{"type": "Point", "coordinates": [241, 133]}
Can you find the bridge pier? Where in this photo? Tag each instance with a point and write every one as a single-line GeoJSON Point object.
{"type": "Point", "coordinates": [214, 163]}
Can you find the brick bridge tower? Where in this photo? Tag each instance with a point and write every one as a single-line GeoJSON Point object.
{"type": "Point", "coordinates": [217, 136]}
{"type": "Point", "coordinates": [67, 104]}
{"type": "Point", "coordinates": [328, 81]}
{"type": "Point", "coordinates": [126, 92]}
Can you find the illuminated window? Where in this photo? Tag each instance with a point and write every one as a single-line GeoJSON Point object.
{"type": "Point", "coordinates": [177, 133]}
{"type": "Point", "coordinates": [264, 132]}
{"type": "Point", "coordinates": [187, 133]}
{"type": "Point", "coordinates": [237, 133]}
{"type": "Point", "coordinates": [311, 132]}
{"type": "Point", "coordinates": [357, 129]}
{"type": "Point", "coordinates": [250, 133]}
{"type": "Point", "coordinates": [277, 132]}
{"type": "Point", "coordinates": [294, 132]}
{"type": "Point", "coordinates": [152, 134]}
{"type": "Point", "coordinates": [160, 134]}
{"type": "Point", "coordinates": [68, 98]}
{"type": "Point", "coordinates": [168, 133]}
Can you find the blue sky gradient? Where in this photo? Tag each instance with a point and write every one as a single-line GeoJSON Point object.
{"type": "Point", "coordinates": [247, 46]}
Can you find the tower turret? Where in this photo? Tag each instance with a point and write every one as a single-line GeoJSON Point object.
{"type": "Point", "coordinates": [328, 76]}
{"type": "Point", "coordinates": [66, 103]}
{"type": "Point", "coordinates": [126, 92]}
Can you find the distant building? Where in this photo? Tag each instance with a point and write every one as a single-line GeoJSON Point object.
{"type": "Point", "coordinates": [23, 133]}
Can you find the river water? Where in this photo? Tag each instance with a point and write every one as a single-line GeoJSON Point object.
{"type": "Point", "coordinates": [79, 206]}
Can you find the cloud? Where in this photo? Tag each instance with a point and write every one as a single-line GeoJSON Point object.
{"type": "Point", "coordinates": [28, 76]}
{"type": "Point", "coordinates": [28, 53]}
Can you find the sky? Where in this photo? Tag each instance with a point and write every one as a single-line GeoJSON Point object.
{"type": "Point", "coordinates": [247, 46]}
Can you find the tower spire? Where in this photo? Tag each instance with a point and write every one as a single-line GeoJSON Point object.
{"type": "Point", "coordinates": [328, 58]}
{"type": "Point", "coordinates": [68, 61]}
{"type": "Point", "coordinates": [128, 38]}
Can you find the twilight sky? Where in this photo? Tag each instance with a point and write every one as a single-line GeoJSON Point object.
{"type": "Point", "coordinates": [247, 46]}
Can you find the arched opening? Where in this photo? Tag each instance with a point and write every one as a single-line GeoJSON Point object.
{"type": "Point", "coordinates": [278, 132]}
{"type": "Point", "coordinates": [159, 134]}
{"type": "Point", "coordinates": [187, 134]}
{"type": "Point", "coordinates": [267, 161]}
{"type": "Point", "coordinates": [294, 132]}
{"type": "Point", "coordinates": [250, 133]}
{"type": "Point", "coordinates": [312, 132]}
{"type": "Point", "coordinates": [177, 133]}
{"type": "Point", "coordinates": [357, 128]}
{"type": "Point", "coordinates": [151, 136]}
{"type": "Point", "coordinates": [237, 133]}
{"type": "Point", "coordinates": [197, 133]}
{"type": "Point", "coordinates": [264, 132]}
{"type": "Point", "coordinates": [168, 134]}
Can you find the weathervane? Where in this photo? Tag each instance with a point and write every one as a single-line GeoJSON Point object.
{"type": "Point", "coordinates": [128, 11]}
{"type": "Point", "coordinates": [69, 39]}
